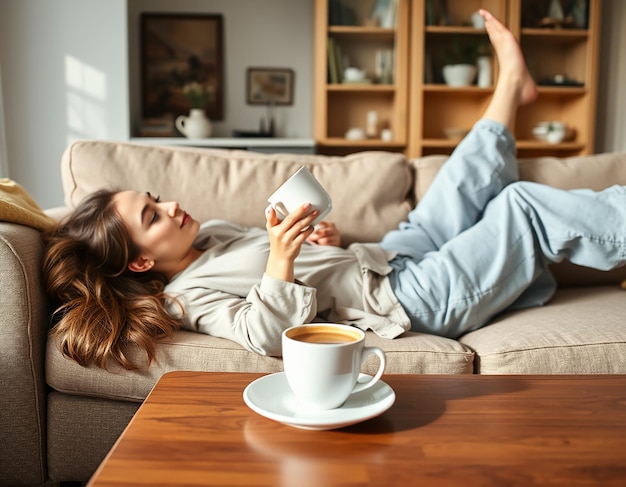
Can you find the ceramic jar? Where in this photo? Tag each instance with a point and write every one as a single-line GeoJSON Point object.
{"type": "Point", "coordinates": [194, 126]}
{"type": "Point", "coordinates": [459, 74]}
{"type": "Point", "coordinates": [483, 65]}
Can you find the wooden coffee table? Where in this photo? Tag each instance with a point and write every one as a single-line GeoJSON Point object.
{"type": "Point", "coordinates": [195, 429]}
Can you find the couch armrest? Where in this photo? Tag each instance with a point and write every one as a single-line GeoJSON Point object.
{"type": "Point", "coordinates": [23, 331]}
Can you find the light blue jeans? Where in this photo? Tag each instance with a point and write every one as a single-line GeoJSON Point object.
{"type": "Point", "coordinates": [480, 241]}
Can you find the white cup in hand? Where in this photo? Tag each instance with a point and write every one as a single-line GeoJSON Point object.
{"type": "Point", "coordinates": [299, 189]}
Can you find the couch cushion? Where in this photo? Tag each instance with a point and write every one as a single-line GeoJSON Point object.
{"type": "Point", "coordinates": [581, 331]}
{"type": "Point", "coordinates": [371, 191]}
{"type": "Point", "coordinates": [412, 353]}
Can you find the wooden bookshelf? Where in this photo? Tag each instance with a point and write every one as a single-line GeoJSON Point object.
{"type": "Point", "coordinates": [340, 106]}
{"type": "Point", "coordinates": [418, 106]}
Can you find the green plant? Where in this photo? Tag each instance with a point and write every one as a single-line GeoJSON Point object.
{"type": "Point", "coordinates": [462, 50]}
{"type": "Point", "coordinates": [197, 94]}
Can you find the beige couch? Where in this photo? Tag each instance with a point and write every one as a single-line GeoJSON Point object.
{"type": "Point", "coordinates": [58, 420]}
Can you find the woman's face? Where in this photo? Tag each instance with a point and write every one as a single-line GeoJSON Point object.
{"type": "Point", "coordinates": [163, 232]}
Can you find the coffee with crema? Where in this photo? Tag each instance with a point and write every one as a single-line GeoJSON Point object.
{"type": "Point", "coordinates": [323, 362]}
{"type": "Point", "coordinates": [323, 335]}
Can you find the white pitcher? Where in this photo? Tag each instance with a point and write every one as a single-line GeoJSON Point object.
{"type": "Point", "coordinates": [194, 126]}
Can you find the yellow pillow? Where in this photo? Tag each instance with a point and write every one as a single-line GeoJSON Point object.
{"type": "Point", "coordinates": [17, 206]}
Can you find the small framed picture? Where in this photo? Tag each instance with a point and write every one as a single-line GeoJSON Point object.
{"type": "Point", "coordinates": [266, 86]}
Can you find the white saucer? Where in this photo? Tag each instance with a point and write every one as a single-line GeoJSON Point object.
{"type": "Point", "coordinates": [270, 396]}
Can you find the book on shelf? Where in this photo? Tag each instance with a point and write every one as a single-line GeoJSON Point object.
{"type": "Point", "coordinates": [339, 62]}
{"type": "Point", "coordinates": [333, 76]}
{"type": "Point", "coordinates": [436, 12]}
{"type": "Point", "coordinates": [429, 76]}
{"type": "Point", "coordinates": [341, 14]}
{"type": "Point", "coordinates": [335, 62]}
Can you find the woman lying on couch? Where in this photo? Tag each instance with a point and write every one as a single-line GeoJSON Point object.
{"type": "Point", "coordinates": [129, 269]}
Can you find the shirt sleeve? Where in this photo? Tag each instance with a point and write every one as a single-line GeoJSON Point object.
{"type": "Point", "coordinates": [257, 321]}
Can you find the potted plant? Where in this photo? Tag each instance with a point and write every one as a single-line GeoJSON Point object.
{"type": "Point", "coordinates": [460, 61]}
{"type": "Point", "coordinates": [196, 125]}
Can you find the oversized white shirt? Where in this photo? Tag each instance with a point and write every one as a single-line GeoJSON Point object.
{"type": "Point", "coordinates": [226, 293]}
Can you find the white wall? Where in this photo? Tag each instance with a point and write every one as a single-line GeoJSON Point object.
{"type": "Point", "coordinates": [64, 76]}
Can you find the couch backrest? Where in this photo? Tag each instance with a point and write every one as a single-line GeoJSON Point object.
{"type": "Point", "coordinates": [596, 171]}
{"type": "Point", "coordinates": [371, 191]}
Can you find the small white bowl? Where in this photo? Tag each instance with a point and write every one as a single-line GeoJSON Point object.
{"type": "Point", "coordinates": [454, 133]}
{"type": "Point", "coordinates": [540, 132]}
{"type": "Point", "coordinates": [459, 74]}
{"type": "Point", "coordinates": [353, 74]}
{"type": "Point", "coordinates": [355, 133]}
{"type": "Point", "coordinates": [556, 135]}
{"type": "Point", "coordinates": [552, 132]}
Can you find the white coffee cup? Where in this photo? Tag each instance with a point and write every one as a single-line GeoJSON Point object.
{"type": "Point", "coordinates": [322, 363]}
{"type": "Point", "coordinates": [301, 188]}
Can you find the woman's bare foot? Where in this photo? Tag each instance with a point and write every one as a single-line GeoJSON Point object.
{"type": "Point", "coordinates": [515, 85]}
{"type": "Point", "coordinates": [513, 70]}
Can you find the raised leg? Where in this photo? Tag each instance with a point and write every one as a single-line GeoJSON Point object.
{"type": "Point", "coordinates": [482, 164]}
{"type": "Point", "coordinates": [486, 269]}
{"type": "Point", "coordinates": [515, 85]}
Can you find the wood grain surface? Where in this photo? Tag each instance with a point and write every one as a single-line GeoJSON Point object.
{"type": "Point", "coordinates": [195, 429]}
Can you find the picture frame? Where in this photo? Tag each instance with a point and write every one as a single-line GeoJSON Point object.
{"type": "Point", "coordinates": [176, 50]}
{"type": "Point", "coordinates": [267, 86]}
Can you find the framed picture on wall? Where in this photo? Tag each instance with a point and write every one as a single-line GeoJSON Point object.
{"type": "Point", "coordinates": [266, 86]}
{"type": "Point", "coordinates": [180, 55]}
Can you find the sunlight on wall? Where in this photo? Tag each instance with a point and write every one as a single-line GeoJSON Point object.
{"type": "Point", "coordinates": [86, 101]}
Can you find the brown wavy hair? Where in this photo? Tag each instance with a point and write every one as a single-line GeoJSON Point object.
{"type": "Point", "coordinates": [103, 307]}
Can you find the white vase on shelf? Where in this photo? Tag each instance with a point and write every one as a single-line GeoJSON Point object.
{"type": "Point", "coordinates": [194, 126]}
{"type": "Point", "coordinates": [483, 65]}
{"type": "Point", "coordinates": [458, 75]}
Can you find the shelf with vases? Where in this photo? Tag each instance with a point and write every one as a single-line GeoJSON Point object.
{"type": "Point", "coordinates": [381, 54]}
{"type": "Point", "coordinates": [563, 61]}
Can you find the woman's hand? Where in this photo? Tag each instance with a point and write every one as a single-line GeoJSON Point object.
{"type": "Point", "coordinates": [326, 233]}
{"type": "Point", "coordinates": [286, 239]}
